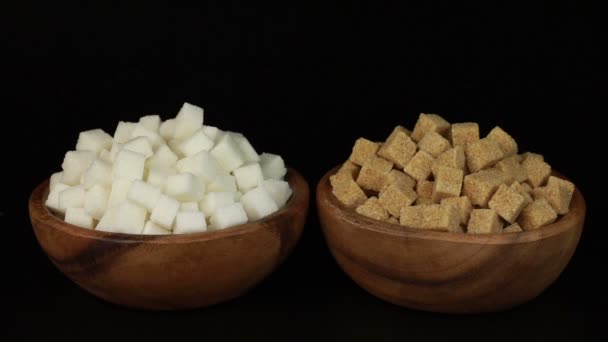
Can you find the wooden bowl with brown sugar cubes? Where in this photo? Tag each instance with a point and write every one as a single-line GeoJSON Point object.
{"type": "Point", "coordinates": [440, 219]}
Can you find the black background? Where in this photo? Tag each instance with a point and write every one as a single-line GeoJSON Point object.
{"type": "Point", "coordinates": [303, 82]}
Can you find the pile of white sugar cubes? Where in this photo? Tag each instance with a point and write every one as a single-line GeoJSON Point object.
{"type": "Point", "coordinates": [172, 177]}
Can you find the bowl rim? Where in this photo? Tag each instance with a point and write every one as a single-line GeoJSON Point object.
{"type": "Point", "coordinates": [297, 183]}
{"type": "Point", "coordinates": [562, 224]}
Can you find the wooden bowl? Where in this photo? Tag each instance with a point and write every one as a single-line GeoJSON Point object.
{"type": "Point", "coordinates": [447, 272]}
{"type": "Point", "coordinates": [167, 272]}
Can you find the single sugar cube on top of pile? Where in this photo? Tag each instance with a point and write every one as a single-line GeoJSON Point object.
{"type": "Point", "coordinates": [167, 177]}
{"type": "Point", "coordinates": [444, 176]}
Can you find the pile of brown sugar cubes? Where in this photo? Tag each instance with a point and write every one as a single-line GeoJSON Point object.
{"type": "Point", "coordinates": [443, 177]}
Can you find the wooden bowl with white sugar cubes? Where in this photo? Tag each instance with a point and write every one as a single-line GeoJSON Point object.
{"type": "Point", "coordinates": [168, 215]}
{"type": "Point", "coordinates": [440, 220]}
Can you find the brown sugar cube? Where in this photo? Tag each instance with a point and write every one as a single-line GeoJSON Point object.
{"type": "Point", "coordinates": [398, 176]}
{"type": "Point", "coordinates": [527, 155]}
{"type": "Point", "coordinates": [448, 183]}
{"type": "Point", "coordinates": [507, 203]}
{"type": "Point", "coordinates": [453, 157]}
{"type": "Point", "coordinates": [536, 215]}
{"type": "Point", "coordinates": [392, 220]}
{"type": "Point", "coordinates": [482, 154]}
{"type": "Point", "coordinates": [429, 123]}
{"type": "Point", "coordinates": [349, 193]}
{"type": "Point", "coordinates": [373, 173]}
{"type": "Point", "coordinates": [464, 133]}
{"type": "Point", "coordinates": [424, 200]}
{"type": "Point", "coordinates": [480, 186]}
{"type": "Point", "coordinates": [522, 190]}
{"type": "Point", "coordinates": [419, 167]}
{"type": "Point", "coordinates": [462, 204]}
{"type": "Point", "coordinates": [527, 188]}
{"type": "Point", "coordinates": [348, 170]}
{"type": "Point", "coordinates": [518, 157]}
{"type": "Point", "coordinates": [506, 142]}
{"type": "Point", "coordinates": [434, 144]}
{"type": "Point", "coordinates": [557, 195]}
{"type": "Point", "coordinates": [372, 209]}
{"type": "Point", "coordinates": [556, 181]}
{"type": "Point", "coordinates": [432, 217]}
{"type": "Point", "coordinates": [512, 166]}
{"type": "Point", "coordinates": [507, 177]}
{"type": "Point", "coordinates": [424, 189]}
{"type": "Point", "coordinates": [396, 196]}
{"type": "Point", "coordinates": [537, 170]}
{"type": "Point", "coordinates": [362, 150]}
{"type": "Point", "coordinates": [514, 228]}
{"type": "Point", "coordinates": [484, 221]}
{"type": "Point", "coordinates": [403, 129]}
{"type": "Point", "coordinates": [398, 148]}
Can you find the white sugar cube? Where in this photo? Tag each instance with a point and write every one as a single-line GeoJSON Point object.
{"type": "Point", "coordinates": [228, 216]}
{"type": "Point", "coordinates": [93, 140]}
{"type": "Point", "coordinates": [107, 221]}
{"type": "Point", "coordinates": [105, 156]}
{"type": "Point", "coordinates": [52, 200]}
{"type": "Point", "coordinates": [140, 145]}
{"type": "Point", "coordinates": [141, 131]}
{"type": "Point", "coordinates": [203, 165]}
{"type": "Point", "coordinates": [185, 187]}
{"type": "Point", "coordinates": [222, 183]}
{"type": "Point", "coordinates": [164, 211]}
{"type": "Point", "coordinates": [118, 194]}
{"type": "Point", "coordinates": [153, 177]}
{"type": "Point", "coordinates": [228, 153]}
{"type": "Point", "coordinates": [151, 228]}
{"type": "Point", "coordinates": [96, 201]}
{"type": "Point", "coordinates": [128, 165]}
{"type": "Point", "coordinates": [279, 191]}
{"type": "Point", "coordinates": [99, 173]}
{"type": "Point", "coordinates": [248, 176]}
{"type": "Point", "coordinates": [258, 203]}
{"type": "Point", "coordinates": [189, 206]}
{"type": "Point", "coordinates": [214, 200]}
{"type": "Point", "coordinates": [213, 132]}
{"type": "Point", "coordinates": [74, 165]}
{"type": "Point", "coordinates": [127, 218]}
{"type": "Point", "coordinates": [123, 131]}
{"type": "Point", "coordinates": [157, 176]}
{"type": "Point", "coordinates": [188, 120]}
{"type": "Point", "coordinates": [189, 222]}
{"type": "Point", "coordinates": [167, 129]}
{"type": "Point", "coordinates": [197, 142]}
{"type": "Point", "coordinates": [150, 122]}
{"type": "Point", "coordinates": [163, 157]}
{"type": "Point", "coordinates": [72, 197]}
{"type": "Point", "coordinates": [79, 217]}
{"type": "Point", "coordinates": [143, 194]}
{"type": "Point", "coordinates": [251, 156]}
{"type": "Point", "coordinates": [116, 147]}
{"type": "Point", "coordinates": [273, 166]}
{"type": "Point", "coordinates": [174, 146]}
{"type": "Point", "coordinates": [55, 179]}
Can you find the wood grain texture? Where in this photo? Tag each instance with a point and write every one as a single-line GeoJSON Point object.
{"type": "Point", "coordinates": [166, 272]}
{"type": "Point", "coordinates": [447, 272]}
